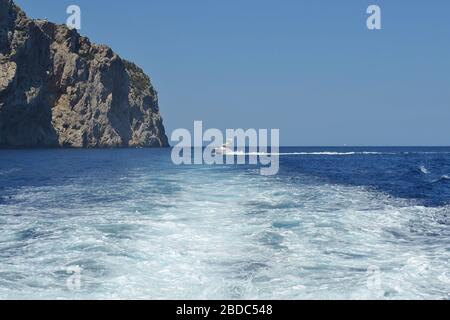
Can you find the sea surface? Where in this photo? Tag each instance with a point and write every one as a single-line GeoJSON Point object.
{"type": "Point", "coordinates": [335, 223]}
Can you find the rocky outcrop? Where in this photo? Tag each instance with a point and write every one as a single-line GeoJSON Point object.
{"type": "Point", "coordinates": [57, 89]}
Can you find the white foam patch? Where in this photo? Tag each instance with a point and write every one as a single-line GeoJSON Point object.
{"type": "Point", "coordinates": [209, 234]}
{"type": "Point", "coordinates": [424, 170]}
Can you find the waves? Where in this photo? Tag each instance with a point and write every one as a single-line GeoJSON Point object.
{"type": "Point", "coordinates": [143, 228]}
{"type": "Point", "coordinates": [221, 235]}
{"type": "Point", "coordinates": [444, 178]}
{"type": "Point", "coordinates": [424, 170]}
{"type": "Point", "coordinates": [9, 171]}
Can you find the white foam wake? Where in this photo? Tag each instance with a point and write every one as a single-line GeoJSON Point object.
{"type": "Point", "coordinates": [239, 153]}
{"type": "Point", "coordinates": [204, 234]}
{"type": "Point", "coordinates": [329, 153]}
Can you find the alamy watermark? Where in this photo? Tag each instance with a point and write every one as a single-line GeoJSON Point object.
{"type": "Point", "coordinates": [374, 20]}
{"type": "Point", "coordinates": [73, 282]}
{"type": "Point", "coordinates": [74, 19]}
{"type": "Point", "coordinates": [237, 146]}
{"type": "Point", "coordinates": [373, 281]}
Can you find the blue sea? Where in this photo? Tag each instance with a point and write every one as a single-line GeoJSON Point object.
{"type": "Point", "coordinates": [335, 223]}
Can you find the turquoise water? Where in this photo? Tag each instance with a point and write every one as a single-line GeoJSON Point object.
{"type": "Point", "coordinates": [335, 223]}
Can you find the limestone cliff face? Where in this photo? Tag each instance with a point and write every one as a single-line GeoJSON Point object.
{"type": "Point", "coordinates": [59, 90]}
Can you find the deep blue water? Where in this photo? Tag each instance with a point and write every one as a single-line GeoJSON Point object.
{"type": "Point", "coordinates": [334, 223]}
{"type": "Point", "coordinates": [420, 174]}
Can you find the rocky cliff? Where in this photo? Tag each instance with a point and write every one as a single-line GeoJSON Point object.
{"type": "Point", "coordinates": [57, 89]}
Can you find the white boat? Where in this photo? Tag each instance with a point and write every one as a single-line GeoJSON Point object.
{"type": "Point", "coordinates": [224, 149]}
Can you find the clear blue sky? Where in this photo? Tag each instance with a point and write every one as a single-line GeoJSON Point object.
{"type": "Point", "coordinates": [310, 68]}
